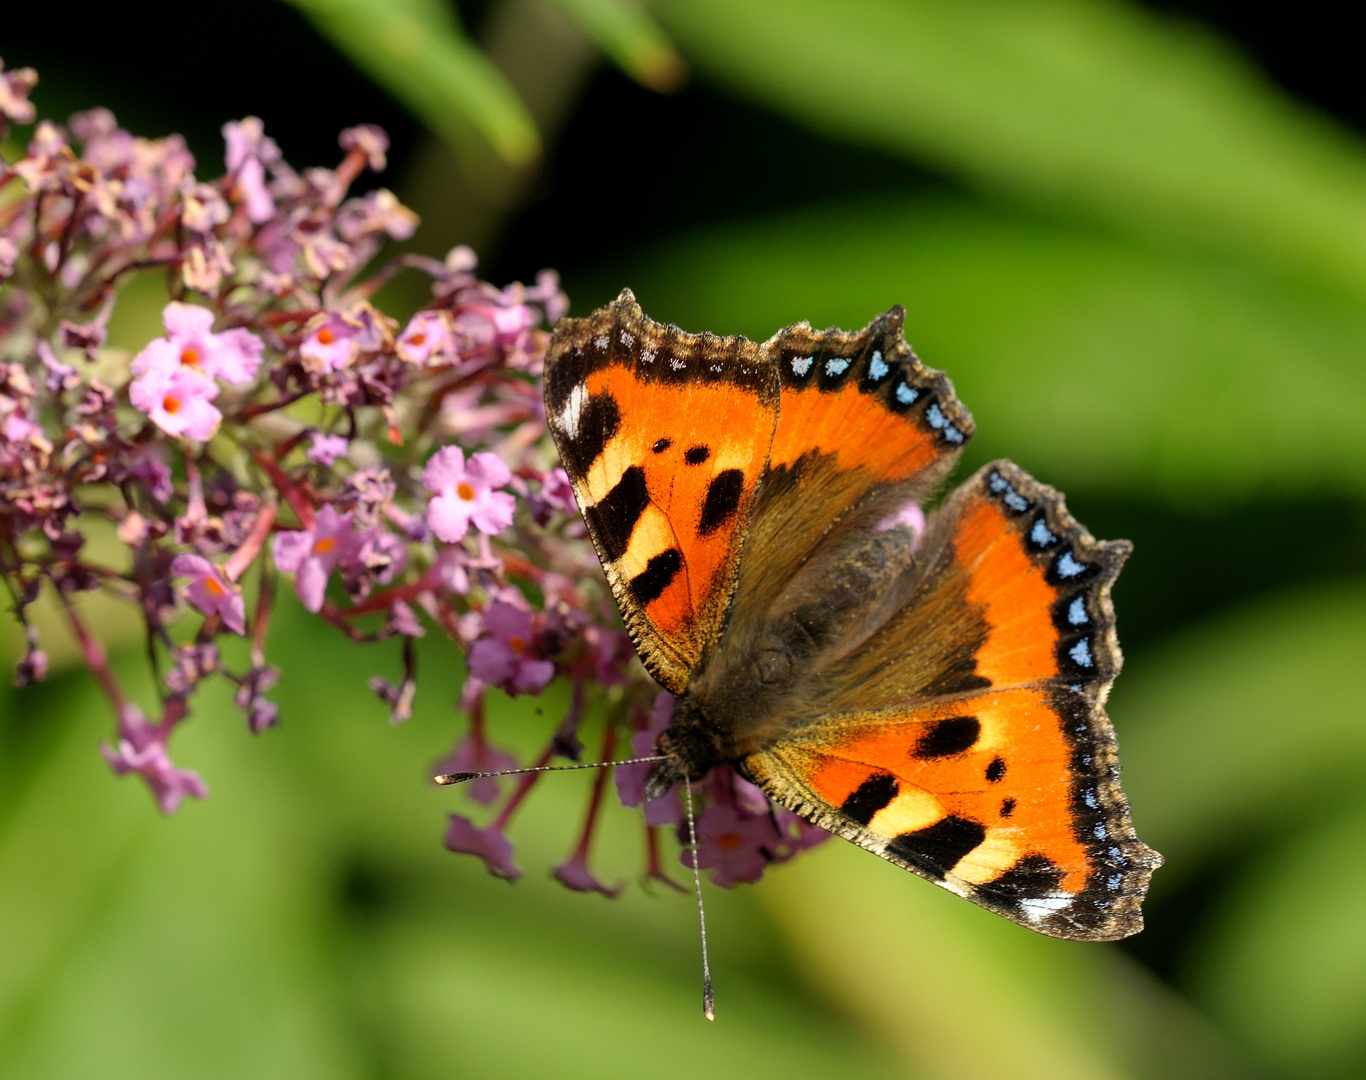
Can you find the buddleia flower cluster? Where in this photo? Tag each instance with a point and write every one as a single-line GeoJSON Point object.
{"type": "Point", "coordinates": [284, 432]}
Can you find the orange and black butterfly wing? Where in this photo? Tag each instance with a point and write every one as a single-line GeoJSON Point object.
{"type": "Point", "coordinates": [967, 739]}
{"type": "Point", "coordinates": [664, 436]}
{"type": "Point", "coordinates": [864, 429]}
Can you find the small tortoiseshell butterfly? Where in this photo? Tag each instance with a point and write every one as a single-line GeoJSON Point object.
{"type": "Point", "coordinates": [934, 695]}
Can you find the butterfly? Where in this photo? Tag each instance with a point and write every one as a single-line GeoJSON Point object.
{"type": "Point", "coordinates": [930, 689]}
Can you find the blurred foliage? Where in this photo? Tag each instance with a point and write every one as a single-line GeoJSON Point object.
{"type": "Point", "coordinates": [1144, 267]}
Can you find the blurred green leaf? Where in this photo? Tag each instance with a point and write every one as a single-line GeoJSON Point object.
{"type": "Point", "coordinates": [1248, 726]}
{"type": "Point", "coordinates": [1092, 361]}
{"type": "Point", "coordinates": [1091, 106]}
{"type": "Point", "coordinates": [1284, 960]}
{"type": "Point", "coordinates": [964, 993]}
{"type": "Point", "coordinates": [417, 52]}
{"type": "Point", "coordinates": [632, 40]}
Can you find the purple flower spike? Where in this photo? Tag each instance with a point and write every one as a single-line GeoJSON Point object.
{"type": "Point", "coordinates": [502, 659]}
{"type": "Point", "coordinates": [466, 494]}
{"type": "Point", "coordinates": [733, 845]}
{"type": "Point", "coordinates": [489, 844]}
{"type": "Point", "coordinates": [142, 749]}
{"type": "Point", "coordinates": [210, 592]}
{"type": "Point", "coordinates": [312, 554]}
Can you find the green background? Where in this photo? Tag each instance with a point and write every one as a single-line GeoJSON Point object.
{"type": "Point", "coordinates": [1144, 266]}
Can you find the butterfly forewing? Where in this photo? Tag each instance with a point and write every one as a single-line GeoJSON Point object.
{"type": "Point", "coordinates": [664, 436]}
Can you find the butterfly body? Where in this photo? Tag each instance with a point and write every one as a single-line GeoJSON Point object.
{"type": "Point", "coordinates": [931, 690]}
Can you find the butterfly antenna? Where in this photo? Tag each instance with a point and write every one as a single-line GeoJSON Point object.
{"type": "Point", "coordinates": [461, 777]}
{"type": "Point", "coordinates": [708, 1001]}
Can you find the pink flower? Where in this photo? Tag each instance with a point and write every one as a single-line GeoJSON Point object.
{"type": "Point", "coordinates": [312, 554]}
{"type": "Point", "coordinates": [248, 153]}
{"type": "Point", "coordinates": [210, 592]}
{"type": "Point", "coordinates": [502, 659]}
{"type": "Point", "coordinates": [331, 346]}
{"type": "Point", "coordinates": [325, 449]}
{"type": "Point", "coordinates": [574, 874]}
{"type": "Point", "coordinates": [142, 749]}
{"type": "Point", "coordinates": [15, 86]}
{"type": "Point", "coordinates": [191, 346]}
{"type": "Point", "coordinates": [558, 492]}
{"type": "Point", "coordinates": [474, 754]}
{"type": "Point", "coordinates": [666, 809]}
{"type": "Point", "coordinates": [489, 844]}
{"type": "Point", "coordinates": [427, 338]}
{"type": "Point", "coordinates": [490, 325]}
{"type": "Point", "coordinates": [733, 845]}
{"type": "Point", "coordinates": [177, 402]}
{"type": "Point", "coordinates": [467, 494]}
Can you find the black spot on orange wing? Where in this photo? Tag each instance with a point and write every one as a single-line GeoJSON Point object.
{"type": "Point", "coordinates": [650, 583]}
{"type": "Point", "coordinates": [944, 738]}
{"type": "Point", "coordinates": [723, 499]}
{"type": "Point", "coordinates": [614, 517]}
{"type": "Point", "coordinates": [661, 445]}
{"type": "Point", "coordinates": [1032, 876]}
{"type": "Point", "coordinates": [599, 422]}
{"type": "Point", "coordinates": [870, 797]}
{"type": "Point", "coordinates": [938, 848]}
{"type": "Point", "coordinates": [996, 769]}
{"type": "Point", "coordinates": [697, 454]}
{"type": "Point", "coordinates": [1007, 807]}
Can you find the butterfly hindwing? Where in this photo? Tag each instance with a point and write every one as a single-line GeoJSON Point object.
{"type": "Point", "coordinates": [966, 740]}
{"type": "Point", "coordinates": [664, 436]}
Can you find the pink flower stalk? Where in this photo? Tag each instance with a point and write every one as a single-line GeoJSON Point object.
{"type": "Point", "coordinates": [142, 749]}
{"type": "Point", "coordinates": [312, 554]}
{"type": "Point", "coordinates": [210, 592]}
{"type": "Point", "coordinates": [467, 494]}
{"type": "Point", "coordinates": [504, 658]}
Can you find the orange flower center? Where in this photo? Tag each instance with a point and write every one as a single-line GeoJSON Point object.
{"type": "Point", "coordinates": [465, 492]}
{"type": "Point", "coordinates": [171, 404]}
{"type": "Point", "coordinates": [517, 644]}
{"type": "Point", "coordinates": [326, 337]}
{"type": "Point", "coordinates": [323, 546]}
{"type": "Point", "coordinates": [418, 339]}
{"type": "Point", "coordinates": [189, 357]}
{"type": "Point", "coordinates": [212, 587]}
{"type": "Point", "coordinates": [730, 841]}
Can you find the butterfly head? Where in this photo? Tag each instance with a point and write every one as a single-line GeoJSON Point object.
{"type": "Point", "coordinates": [690, 748]}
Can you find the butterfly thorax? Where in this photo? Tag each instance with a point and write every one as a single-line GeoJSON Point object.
{"type": "Point", "coordinates": [767, 673]}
